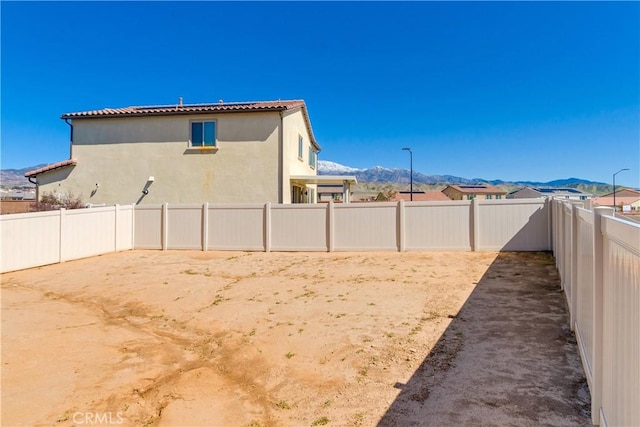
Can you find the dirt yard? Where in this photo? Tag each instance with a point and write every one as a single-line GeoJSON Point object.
{"type": "Point", "coordinates": [185, 338]}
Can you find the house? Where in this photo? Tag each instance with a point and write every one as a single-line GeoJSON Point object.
{"type": "Point", "coordinates": [543, 193]}
{"type": "Point", "coordinates": [248, 152]}
{"type": "Point", "coordinates": [626, 200]}
{"type": "Point", "coordinates": [473, 191]}
{"type": "Point", "coordinates": [420, 196]}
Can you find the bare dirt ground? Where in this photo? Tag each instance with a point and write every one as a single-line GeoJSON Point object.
{"type": "Point", "coordinates": [185, 338]}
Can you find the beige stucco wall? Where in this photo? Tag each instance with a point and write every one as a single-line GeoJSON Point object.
{"type": "Point", "coordinates": [120, 154]}
{"type": "Point", "coordinates": [294, 125]}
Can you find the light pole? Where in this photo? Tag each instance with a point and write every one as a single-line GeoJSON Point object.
{"type": "Point", "coordinates": [614, 188]}
{"type": "Point", "coordinates": [410, 171]}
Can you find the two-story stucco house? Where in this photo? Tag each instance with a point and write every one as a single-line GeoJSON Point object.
{"type": "Point", "coordinates": [218, 153]}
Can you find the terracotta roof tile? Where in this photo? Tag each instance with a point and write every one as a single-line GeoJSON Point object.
{"type": "Point", "coordinates": [51, 167]}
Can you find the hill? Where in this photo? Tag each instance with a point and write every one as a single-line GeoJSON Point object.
{"type": "Point", "coordinates": [14, 178]}
{"type": "Point", "coordinates": [380, 174]}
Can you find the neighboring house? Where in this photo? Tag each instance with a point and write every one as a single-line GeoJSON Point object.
{"type": "Point", "coordinates": [626, 200]}
{"type": "Point", "coordinates": [473, 191]}
{"type": "Point", "coordinates": [623, 192]}
{"type": "Point", "coordinates": [420, 196]}
{"type": "Point", "coordinates": [543, 193]}
{"type": "Point", "coordinates": [252, 152]}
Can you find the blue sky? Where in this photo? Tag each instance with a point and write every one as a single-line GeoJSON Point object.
{"type": "Point", "coordinates": [495, 90]}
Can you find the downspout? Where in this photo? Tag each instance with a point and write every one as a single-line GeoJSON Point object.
{"type": "Point", "coordinates": [70, 137]}
{"type": "Point", "coordinates": [37, 188]}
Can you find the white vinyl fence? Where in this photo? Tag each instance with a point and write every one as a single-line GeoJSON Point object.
{"type": "Point", "coordinates": [510, 225]}
{"type": "Point", "coordinates": [40, 238]}
{"type": "Point", "coordinates": [598, 257]}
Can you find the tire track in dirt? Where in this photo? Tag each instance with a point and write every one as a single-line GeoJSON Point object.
{"type": "Point", "coordinates": [203, 350]}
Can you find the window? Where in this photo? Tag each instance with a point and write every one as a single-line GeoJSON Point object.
{"type": "Point", "coordinates": [203, 134]}
{"type": "Point", "coordinates": [498, 196]}
{"type": "Point", "coordinates": [489, 197]}
{"type": "Point", "coordinates": [313, 158]}
{"type": "Point", "coordinates": [300, 147]}
{"type": "Point", "coordinates": [471, 196]}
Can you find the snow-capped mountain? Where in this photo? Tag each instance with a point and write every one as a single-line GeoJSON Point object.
{"type": "Point", "coordinates": [402, 176]}
{"type": "Point", "coordinates": [326, 167]}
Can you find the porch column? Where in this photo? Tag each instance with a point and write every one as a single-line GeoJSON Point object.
{"type": "Point", "coordinates": [345, 191]}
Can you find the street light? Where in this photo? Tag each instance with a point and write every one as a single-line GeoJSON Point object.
{"type": "Point", "coordinates": [410, 172]}
{"type": "Point", "coordinates": [614, 188]}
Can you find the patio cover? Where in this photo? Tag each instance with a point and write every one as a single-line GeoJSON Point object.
{"type": "Point", "coordinates": [345, 180]}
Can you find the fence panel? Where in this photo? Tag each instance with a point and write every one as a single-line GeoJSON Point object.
{"type": "Point", "coordinates": [29, 240]}
{"type": "Point", "coordinates": [439, 226]}
{"type": "Point", "coordinates": [184, 226]}
{"type": "Point", "coordinates": [584, 323]}
{"type": "Point", "coordinates": [124, 227]}
{"type": "Point", "coordinates": [513, 225]}
{"type": "Point", "coordinates": [366, 226]}
{"type": "Point", "coordinates": [621, 323]}
{"type": "Point", "coordinates": [236, 227]}
{"type": "Point", "coordinates": [88, 232]}
{"type": "Point", "coordinates": [148, 227]}
{"type": "Point", "coordinates": [299, 228]}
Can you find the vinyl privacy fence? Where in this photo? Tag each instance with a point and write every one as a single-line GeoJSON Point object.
{"type": "Point", "coordinates": [510, 225]}
{"type": "Point", "coordinates": [598, 257]}
{"type": "Point", "coordinates": [40, 238]}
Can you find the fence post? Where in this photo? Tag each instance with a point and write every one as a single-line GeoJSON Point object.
{"type": "Point", "coordinates": [549, 207]}
{"type": "Point", "coordinates": [165, 226]}
{"type": "Point", "coordinates": [475, 226]}
{"type": "Point", "coordinates": [133, 226]}
{"type": "Point", "coordinates": [267, 227]}
{"type": "Point", "coordinates": [401, 227]}
{"type": "Point", "coordinates": [63, 214]}
{"type": "Point", "coordinates": [330, 226]}
{"type": "Point", "coordinates": [598, 279]}
{"type": "Point", "coordinates": [205, 226]}
{"type": "Point", "coordinates": [116, 212]}
{"type": "Point", "coordinates": [574, 263]}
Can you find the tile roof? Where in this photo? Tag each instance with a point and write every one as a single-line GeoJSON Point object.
{"type": "Point", "coordinates": [477, 189]}
{"type": "Point", "coordinates": [608, 200]}
{"type": "Point", "coordinates": [163, 110]}
{"type": "Point", "coordinates": [180, 109]}
{"type": "Point", "coordinates": [51, 167]}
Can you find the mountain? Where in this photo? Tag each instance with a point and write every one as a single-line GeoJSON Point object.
{"type": "Point", "coordinates": [14, 178]}
{"type": "Point", "coordinates": [402, 176]}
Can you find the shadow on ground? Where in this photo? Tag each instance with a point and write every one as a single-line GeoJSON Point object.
{"type": "Point", "coordinates": [507, 358]}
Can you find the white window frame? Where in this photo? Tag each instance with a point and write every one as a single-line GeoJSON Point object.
{"type": "Point", "coordinates": [313, 158]}
{"type": "Point", "coordinates": [215, 134]}
{"type": "Point", "coordinates": [300, 148]}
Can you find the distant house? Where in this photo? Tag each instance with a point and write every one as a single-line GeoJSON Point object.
{"type": "Point", "coordinates": [626, 200]}
{"type": "Point", "coordinates": [421, 196]}
{"type": "Point", "coordinates": [220, 153]}
{"type": "Point", "coordinates": [543, 193]}
{"type": "Point", "coordinates": [473, 191]}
